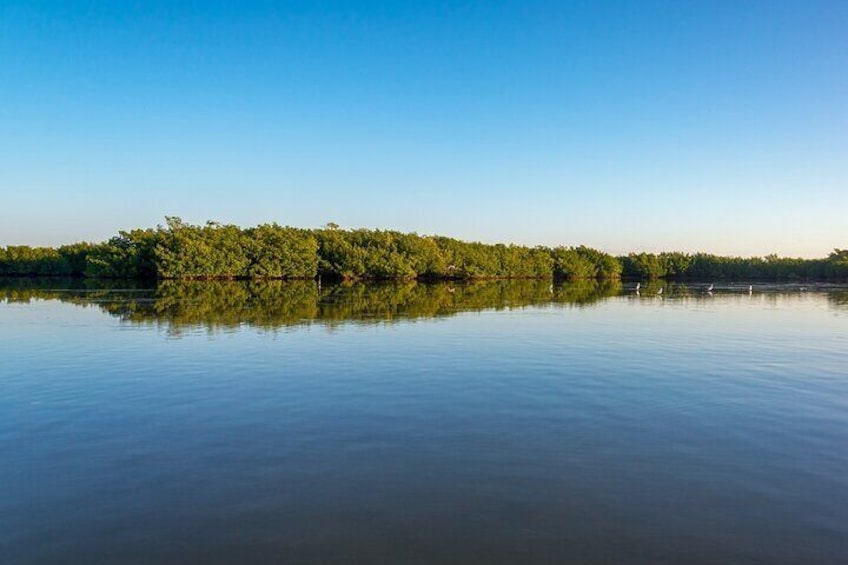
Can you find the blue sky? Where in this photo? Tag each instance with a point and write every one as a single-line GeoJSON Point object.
{"type": "Point", "coordinates": [627, 126]}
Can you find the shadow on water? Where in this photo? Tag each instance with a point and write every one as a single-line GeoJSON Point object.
{"type": "Point", "coordinates": [185, 305]}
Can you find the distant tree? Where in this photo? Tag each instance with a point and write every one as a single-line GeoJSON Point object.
{"type": "Point", "coordinates": [281, 252]}
{"type": "Point", "coordinates": [216, 250]}
{"type": "Point", "coordinates": [211, 251]}
{"type": "Point", "coordinates": [130, 254]}
{"type": "Point", "coordinates": [569, 263]}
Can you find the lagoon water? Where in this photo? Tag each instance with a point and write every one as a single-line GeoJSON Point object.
{"type": "Point", "coordinates": [486, 423]}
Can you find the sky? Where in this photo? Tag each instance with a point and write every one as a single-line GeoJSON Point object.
{"type": "Point", "coordinates": [717, 126]}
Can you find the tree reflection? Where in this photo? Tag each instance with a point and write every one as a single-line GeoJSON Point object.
{"type": "Point", "coordinates": [182, 306]}
{"type": "Point", "coordinates": [275, 304]}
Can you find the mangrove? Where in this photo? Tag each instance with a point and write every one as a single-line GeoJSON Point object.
{"type": "Point", "coordinates": [180, 250]}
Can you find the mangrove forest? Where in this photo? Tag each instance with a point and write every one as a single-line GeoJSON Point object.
{"type": "Point", "coordinates": [180, 250]}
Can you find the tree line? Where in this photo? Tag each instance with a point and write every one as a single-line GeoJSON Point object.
{"type": "Point", "coordinates": [179, 250]}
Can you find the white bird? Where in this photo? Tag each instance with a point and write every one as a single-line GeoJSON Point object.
{"type": "Point", "coordinates": [710, 289]}
{"type": "Point", "coordinates": [638, 286]}
{"type": "Point", "coordinates": [750, 288]}
{"type": "Point", "coordinates": [660, 291]}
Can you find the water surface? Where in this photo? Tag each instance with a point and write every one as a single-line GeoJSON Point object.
{"type": "Point", "coordinates": [479, 423]}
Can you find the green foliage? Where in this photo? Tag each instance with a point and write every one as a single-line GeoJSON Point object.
{"type": "Point", "coordinates": [185, 251]}
{"type": "Point", "coordinates": [75, 257]}
{"type": "Point", "coordinates": [584, 263]}
{"type": "Point", "coordinates": [226, 251]}
{"type": "Point", "coordinates": [43, 261]}
{"type": "Point", "coordinates": [210, 251]}
{"type": "Point", "coordinates": [67, 260]}
{"type": "Point", "coordinates": [365, 254]}
{"type": "Point", "coordinates": [707, 267]}
{"type": "Point", "coordinates": [423, 254]}
{"type": "Point", "coordinates": [836, 266]}
{"type": "Point", "coordinates": [570, 264]}
{"type": "Point", "coordinates": [376, 254]}
{"type": "Point", "coordinates": [280, 252]}
{"type": "Point", "coordinates": [675, 264]}
{"type": "Point", "coordinates": [128, 255]}
{"type": "Point", "coordinates": [465, 260]}
{"type": "Point", "coordinates": [644, 266]}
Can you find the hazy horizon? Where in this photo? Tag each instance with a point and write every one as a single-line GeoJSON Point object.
{"type": "Point", "coordinates": [654, 126]}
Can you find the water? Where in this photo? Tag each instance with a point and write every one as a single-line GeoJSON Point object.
{"type": "Point", "coordinates": [485, 423]}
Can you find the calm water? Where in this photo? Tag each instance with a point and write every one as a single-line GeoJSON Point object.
{"type": "Point", "coordinates": [486, 423]}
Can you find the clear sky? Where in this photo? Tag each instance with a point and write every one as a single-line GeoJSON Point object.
{"type": "Point", "coordinates": [627, 126]}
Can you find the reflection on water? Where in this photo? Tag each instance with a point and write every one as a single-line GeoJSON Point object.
{"type": "Point", "coordinates": [574, 423]}
{"type": "Point", "coordinates": [275, 304]}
